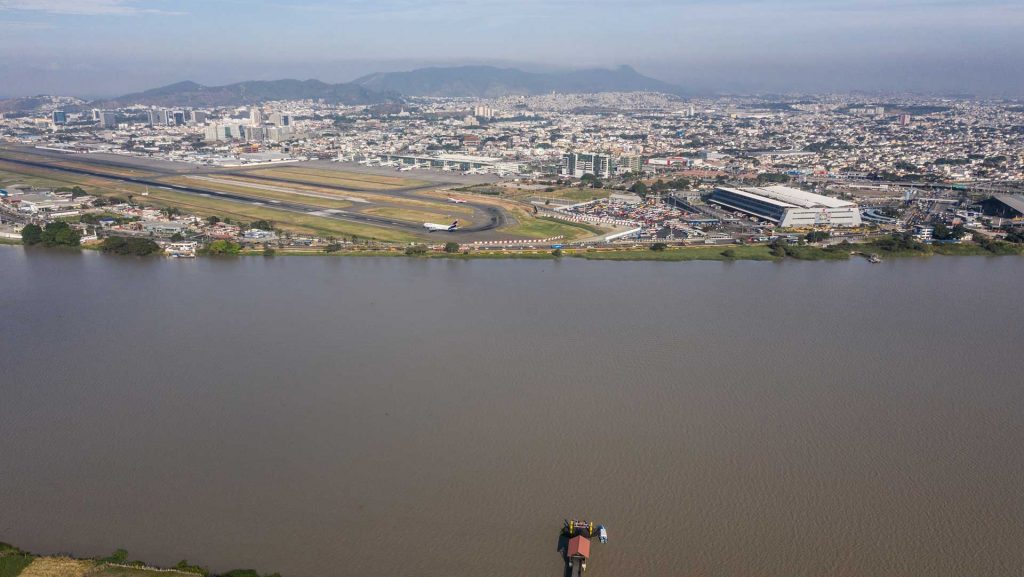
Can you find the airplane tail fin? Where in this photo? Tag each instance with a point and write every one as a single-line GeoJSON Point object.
{"type": "Point", "coordinates": [454, 225]}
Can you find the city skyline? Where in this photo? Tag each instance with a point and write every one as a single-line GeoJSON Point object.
{"type": "Point", "coordinates": [95, 48]}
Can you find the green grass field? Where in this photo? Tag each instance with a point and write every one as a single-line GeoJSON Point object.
{"type": "Point", "coordinates": [417, 216]}
{"type": "Point", "coordinates": [12, 565]}
{"type": "Point", "coordinates": [576, 194]}
{"type": "Point", "coordinates": [543, 227]}
{"type": "Point", "coordinates": [264, 194]}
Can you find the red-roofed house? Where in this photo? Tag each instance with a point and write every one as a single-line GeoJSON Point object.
{"type": "Point", "coordinates": [579, 546]}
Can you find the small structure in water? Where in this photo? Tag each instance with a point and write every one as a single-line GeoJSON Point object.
{"type": "Point", "coordinates": [572, 527]}
{"type": "Point", "coordinates": [578, 552]}
{"type": "Point", "coordinates": [574, 544]}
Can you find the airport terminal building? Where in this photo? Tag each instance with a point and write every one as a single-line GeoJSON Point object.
{"type": "Point", "coordinates": [788, 207]}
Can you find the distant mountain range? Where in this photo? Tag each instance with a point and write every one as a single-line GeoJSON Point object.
{"type": "Point", "coordinates": [471, 81]}
{"type": "Point", "coordinates": [490, 82]}
{"type": "Point", "coordinates": [252, 92]}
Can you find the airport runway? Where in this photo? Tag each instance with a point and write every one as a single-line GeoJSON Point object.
{"type": "Point", "coordinates": [488, 217]}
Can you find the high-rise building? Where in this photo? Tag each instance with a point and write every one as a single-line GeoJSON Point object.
{"type": "Point", "coordinates": [279, 133]}
{"type": "Point", "coordinates": [280, 119]}
{"type": "Point", "coordinates": [255, 116]}
{"type": "Point", "coordinates": [107, 119]}
{"type": "Point", "coordinates": [904, 120]}
{"type": "Point", "coordinates": [217, 132]}
{"type": "Point", "coordinates": [96, 114]}
{"type": "Point", "coordinates": [629, 163]}
{"type": "Point", "coordinates": [197, 116]}
{"type": "Point", "coordinates": [577, 164]}
{"type": "Point", "coordinates": [177, 118]}
{"type": "Point", "coordinates": [157, 117]}
{"type": "Point", "coordinates": [60, 117]}
{"type": "Point", "coordinates": [255, 133]}
{"type": "Point", "coordinates": [483, 112]}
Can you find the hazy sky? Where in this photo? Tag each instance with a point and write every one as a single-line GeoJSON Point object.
{"type": "Point", "coordinates": [107, 47]}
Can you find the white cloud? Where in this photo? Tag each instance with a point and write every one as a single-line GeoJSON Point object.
{"type": "Point", "coordinates": [82, 7]}
{"type": "Point", "coordinates": [11, 25]}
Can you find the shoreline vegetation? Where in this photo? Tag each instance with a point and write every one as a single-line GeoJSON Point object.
{"type": "Point", "coordinates": [899, 245]}
{"type": "Point", "coordinates": [15, 562]}
{"type": "Point", "coordinates": [887, 247]}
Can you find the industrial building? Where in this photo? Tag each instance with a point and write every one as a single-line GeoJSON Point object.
{"type": "Point", "coordinates": [788, 207]}
{"type": "Point", "coordinates": [1004, 205]}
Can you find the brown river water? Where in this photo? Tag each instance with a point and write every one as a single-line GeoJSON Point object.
{"type": "Point", "coordinates": [355, 417]}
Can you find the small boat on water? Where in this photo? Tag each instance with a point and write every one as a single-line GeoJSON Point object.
{"type": "Point", "coordinates": [602, 533]}
{"type": "Point", "coordinates": [874, 259]}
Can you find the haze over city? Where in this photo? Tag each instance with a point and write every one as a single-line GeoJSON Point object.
{"type": "Point", "coordinates": [99, 48]}
{"type": "Point", "coordinates": [542, 287]}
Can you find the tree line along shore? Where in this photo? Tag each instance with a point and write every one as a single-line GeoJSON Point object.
{"type": "Point", "coordinates": [59, 235]}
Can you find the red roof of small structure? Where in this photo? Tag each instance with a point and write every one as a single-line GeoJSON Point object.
{"type": "Point", "coordinates": [579, 546]}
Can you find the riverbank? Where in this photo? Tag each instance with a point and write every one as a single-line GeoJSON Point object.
{"type": "Point", "coordinates": [17, 563]}
{"type": "Point", "coordinates": [883, 248]}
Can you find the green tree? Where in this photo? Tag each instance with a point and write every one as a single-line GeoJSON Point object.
{"type": "Point", "coordinates": [451, 247]}
{"type": "Point", "coordinates": [176, 237]}
{"type": "Point", "coordinates": [659, 246]}
{"type": "Point", "coordinates": [729, 253]}
{"type": "Point", "coordinates": [557, 253]}
{"type": "Point", "coordinates": [185, 567]}
{"type": "Point", "coordinates": [1015, 236]}
{"type": "Point", "coordinates": [212, 220]}
{"type": "Point", "coordinates": [60, 233]}
{"type": "Point", "coordinates": [263, 225]}
{"type": "Point", "coordinates": [219, 247]}
{"type": "Point", "coordinates": [416, 250]}
{"type": "Point", "coordinates": [772, 177]}
{"type": "Point", "coordinates": [943, 232]}
{"type": "Point", "coordinates": [817, 235]}
{"type": "Point", "coordinates": [131, 246]}
{"type": "Point", "coordinates": [31, 234]}
{"type": "Point", "coordinates": [119, 556]}
{"type": "Point", "coordinates": [639, 189]}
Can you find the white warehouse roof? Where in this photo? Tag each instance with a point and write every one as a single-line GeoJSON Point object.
{"type": "Point", "coordinates": [798, 198]}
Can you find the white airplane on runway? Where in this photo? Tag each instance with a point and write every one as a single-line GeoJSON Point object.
{"type": "Point", "coordinates": [456, 200]}
{"type": "Point", "coordinates": [431, 227]}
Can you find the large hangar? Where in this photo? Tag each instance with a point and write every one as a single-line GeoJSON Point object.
{"type": "Point", "coordinates": [788, 207]}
